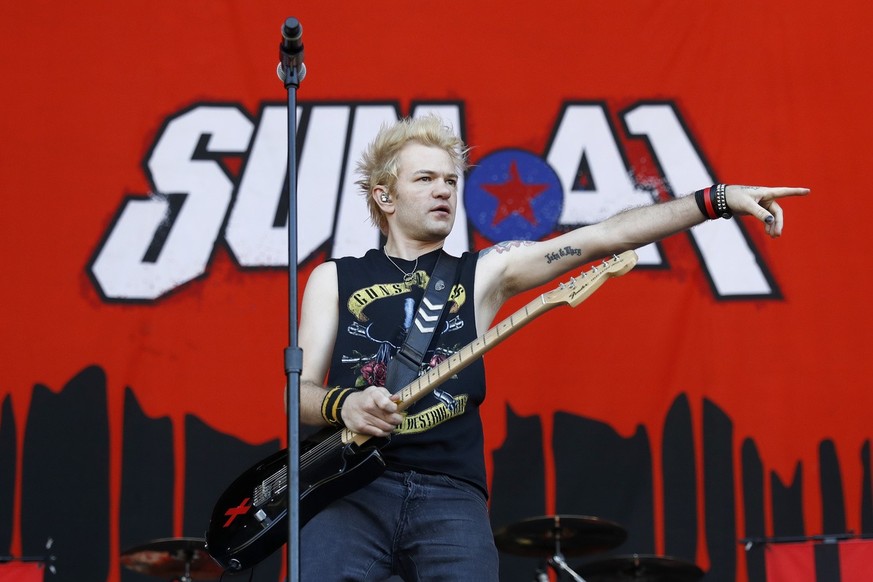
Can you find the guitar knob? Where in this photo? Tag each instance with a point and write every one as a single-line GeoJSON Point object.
{"type": "Point", "coordinates": [234, 565]}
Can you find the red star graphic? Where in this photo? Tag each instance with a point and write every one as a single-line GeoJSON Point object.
{"type": "Point", "coordinates": [514, 197]}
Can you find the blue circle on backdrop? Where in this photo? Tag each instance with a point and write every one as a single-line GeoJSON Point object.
{"type": "Point", "coordinates": [513, 194]}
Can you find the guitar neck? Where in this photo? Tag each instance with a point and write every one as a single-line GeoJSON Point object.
{"type": "Point", "coordinates": [572, 293]}
{"type": "Point", "coordinates": [433, 378]}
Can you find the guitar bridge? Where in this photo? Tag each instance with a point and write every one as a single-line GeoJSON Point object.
{"type": "Point", "coordinates": [273, 485]}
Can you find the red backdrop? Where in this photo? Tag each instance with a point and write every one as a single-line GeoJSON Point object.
{"type": "Point", "coordinates": [773, 93]}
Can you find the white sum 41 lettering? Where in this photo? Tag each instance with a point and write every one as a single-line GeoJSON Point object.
{"type": "Point", "coordinates": [161, 241]}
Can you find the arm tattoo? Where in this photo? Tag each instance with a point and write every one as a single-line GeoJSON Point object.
{"type": "Point", "coordinates": [561, 253]}
{"type": "Point", "coordinates": [505, 247]}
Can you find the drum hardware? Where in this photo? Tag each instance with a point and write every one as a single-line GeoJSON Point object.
{"type": "Point", "coordinates": [47, 560]}
{"type": "Point", "coordinates": [641, 568]}
{"type": "Point", "coordinates": [175, 559]}
{"type": "Point", "coordinates": [553, 537]}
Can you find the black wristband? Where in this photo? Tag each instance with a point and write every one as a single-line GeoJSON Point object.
{"type": "Point", "coordinates": [719, 201]}
{"type": "Point", "coordinates": [332, 405]}
{"type": "Point", "coordinates": [712, 202]}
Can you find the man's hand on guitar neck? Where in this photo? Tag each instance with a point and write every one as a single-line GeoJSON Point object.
{"type": "Point", "coordinates": [372, 411]}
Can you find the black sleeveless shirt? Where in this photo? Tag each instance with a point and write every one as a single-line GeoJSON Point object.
{"type": "Point", "coordinates": [442, 432]}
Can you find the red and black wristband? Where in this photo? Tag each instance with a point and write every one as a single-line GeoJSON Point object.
{"type": "Point", "coordinates": [712, 202]}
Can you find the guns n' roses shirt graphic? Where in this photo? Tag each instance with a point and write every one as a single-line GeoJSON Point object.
{"type": "Point", "coordinates": [378, 298]}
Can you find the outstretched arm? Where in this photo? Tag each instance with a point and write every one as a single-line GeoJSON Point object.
{"type": "Point", "coordinates": [509, 268]}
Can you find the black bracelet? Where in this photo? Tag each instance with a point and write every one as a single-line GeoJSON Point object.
{"type": "Point", "coordinates": [332, 405]}
{"type": "Point", "coordinates": [719, 201]}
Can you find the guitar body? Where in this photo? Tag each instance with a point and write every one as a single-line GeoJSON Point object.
{"type": "Point", "coordinates": [250, 519]}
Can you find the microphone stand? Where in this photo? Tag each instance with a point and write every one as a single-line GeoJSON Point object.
{"type": "Point", "coordinates": [291, 71]}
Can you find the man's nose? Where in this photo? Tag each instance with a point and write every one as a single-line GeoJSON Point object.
{"type": "Point", "coordinates": [442, 189]}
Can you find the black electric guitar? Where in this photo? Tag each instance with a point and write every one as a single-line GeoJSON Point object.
{"type": "Point", "coordinates": [249, 521]}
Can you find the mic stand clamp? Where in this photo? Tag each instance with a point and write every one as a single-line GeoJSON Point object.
{"type": "Point", "coordinates": [290, 75]}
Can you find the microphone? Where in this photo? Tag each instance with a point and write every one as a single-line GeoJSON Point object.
{"type": "Point", "coordinates": [291, 50]}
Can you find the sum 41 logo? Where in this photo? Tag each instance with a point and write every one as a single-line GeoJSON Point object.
{"type": "Point", "coordinates": [159, 242]}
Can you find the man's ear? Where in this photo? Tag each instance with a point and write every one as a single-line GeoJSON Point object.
{"type": "Point", "coordinates": [383, 198]}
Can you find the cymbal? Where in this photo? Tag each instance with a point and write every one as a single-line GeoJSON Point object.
{"type": "Point", "coordinates": [640, 568]}
{"type": "Point", "coordinates": [573, 535]}
{"type": "Point", "coordinates": [170, 558]}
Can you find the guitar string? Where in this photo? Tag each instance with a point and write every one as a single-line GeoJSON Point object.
{"type": "Point", "coordinates": [307, 459]}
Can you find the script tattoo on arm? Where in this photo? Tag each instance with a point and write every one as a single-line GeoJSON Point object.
{"type": "Point", "coordinates": [567, 251]}
{"type": "Point", "coordinates": [506, 246]}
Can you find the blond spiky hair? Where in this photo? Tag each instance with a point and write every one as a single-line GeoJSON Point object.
{"type": "Point", "coordinates": [378, 165]}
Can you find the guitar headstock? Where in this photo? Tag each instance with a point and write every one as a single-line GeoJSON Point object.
{"type": "Point", "coordinates": [577, 289]}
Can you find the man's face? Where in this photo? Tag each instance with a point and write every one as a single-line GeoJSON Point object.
{"type": "Point", "coordinates": [426, 193]}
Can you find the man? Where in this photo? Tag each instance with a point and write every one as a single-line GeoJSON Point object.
{"type": "Point", "coordinates": [426, 517]}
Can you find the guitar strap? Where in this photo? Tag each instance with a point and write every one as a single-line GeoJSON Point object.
{"type": "Point", "coordinates": [404, 367]}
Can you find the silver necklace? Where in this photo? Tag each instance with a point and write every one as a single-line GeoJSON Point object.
{"type": "Point", "coordinates": [407, 277]}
